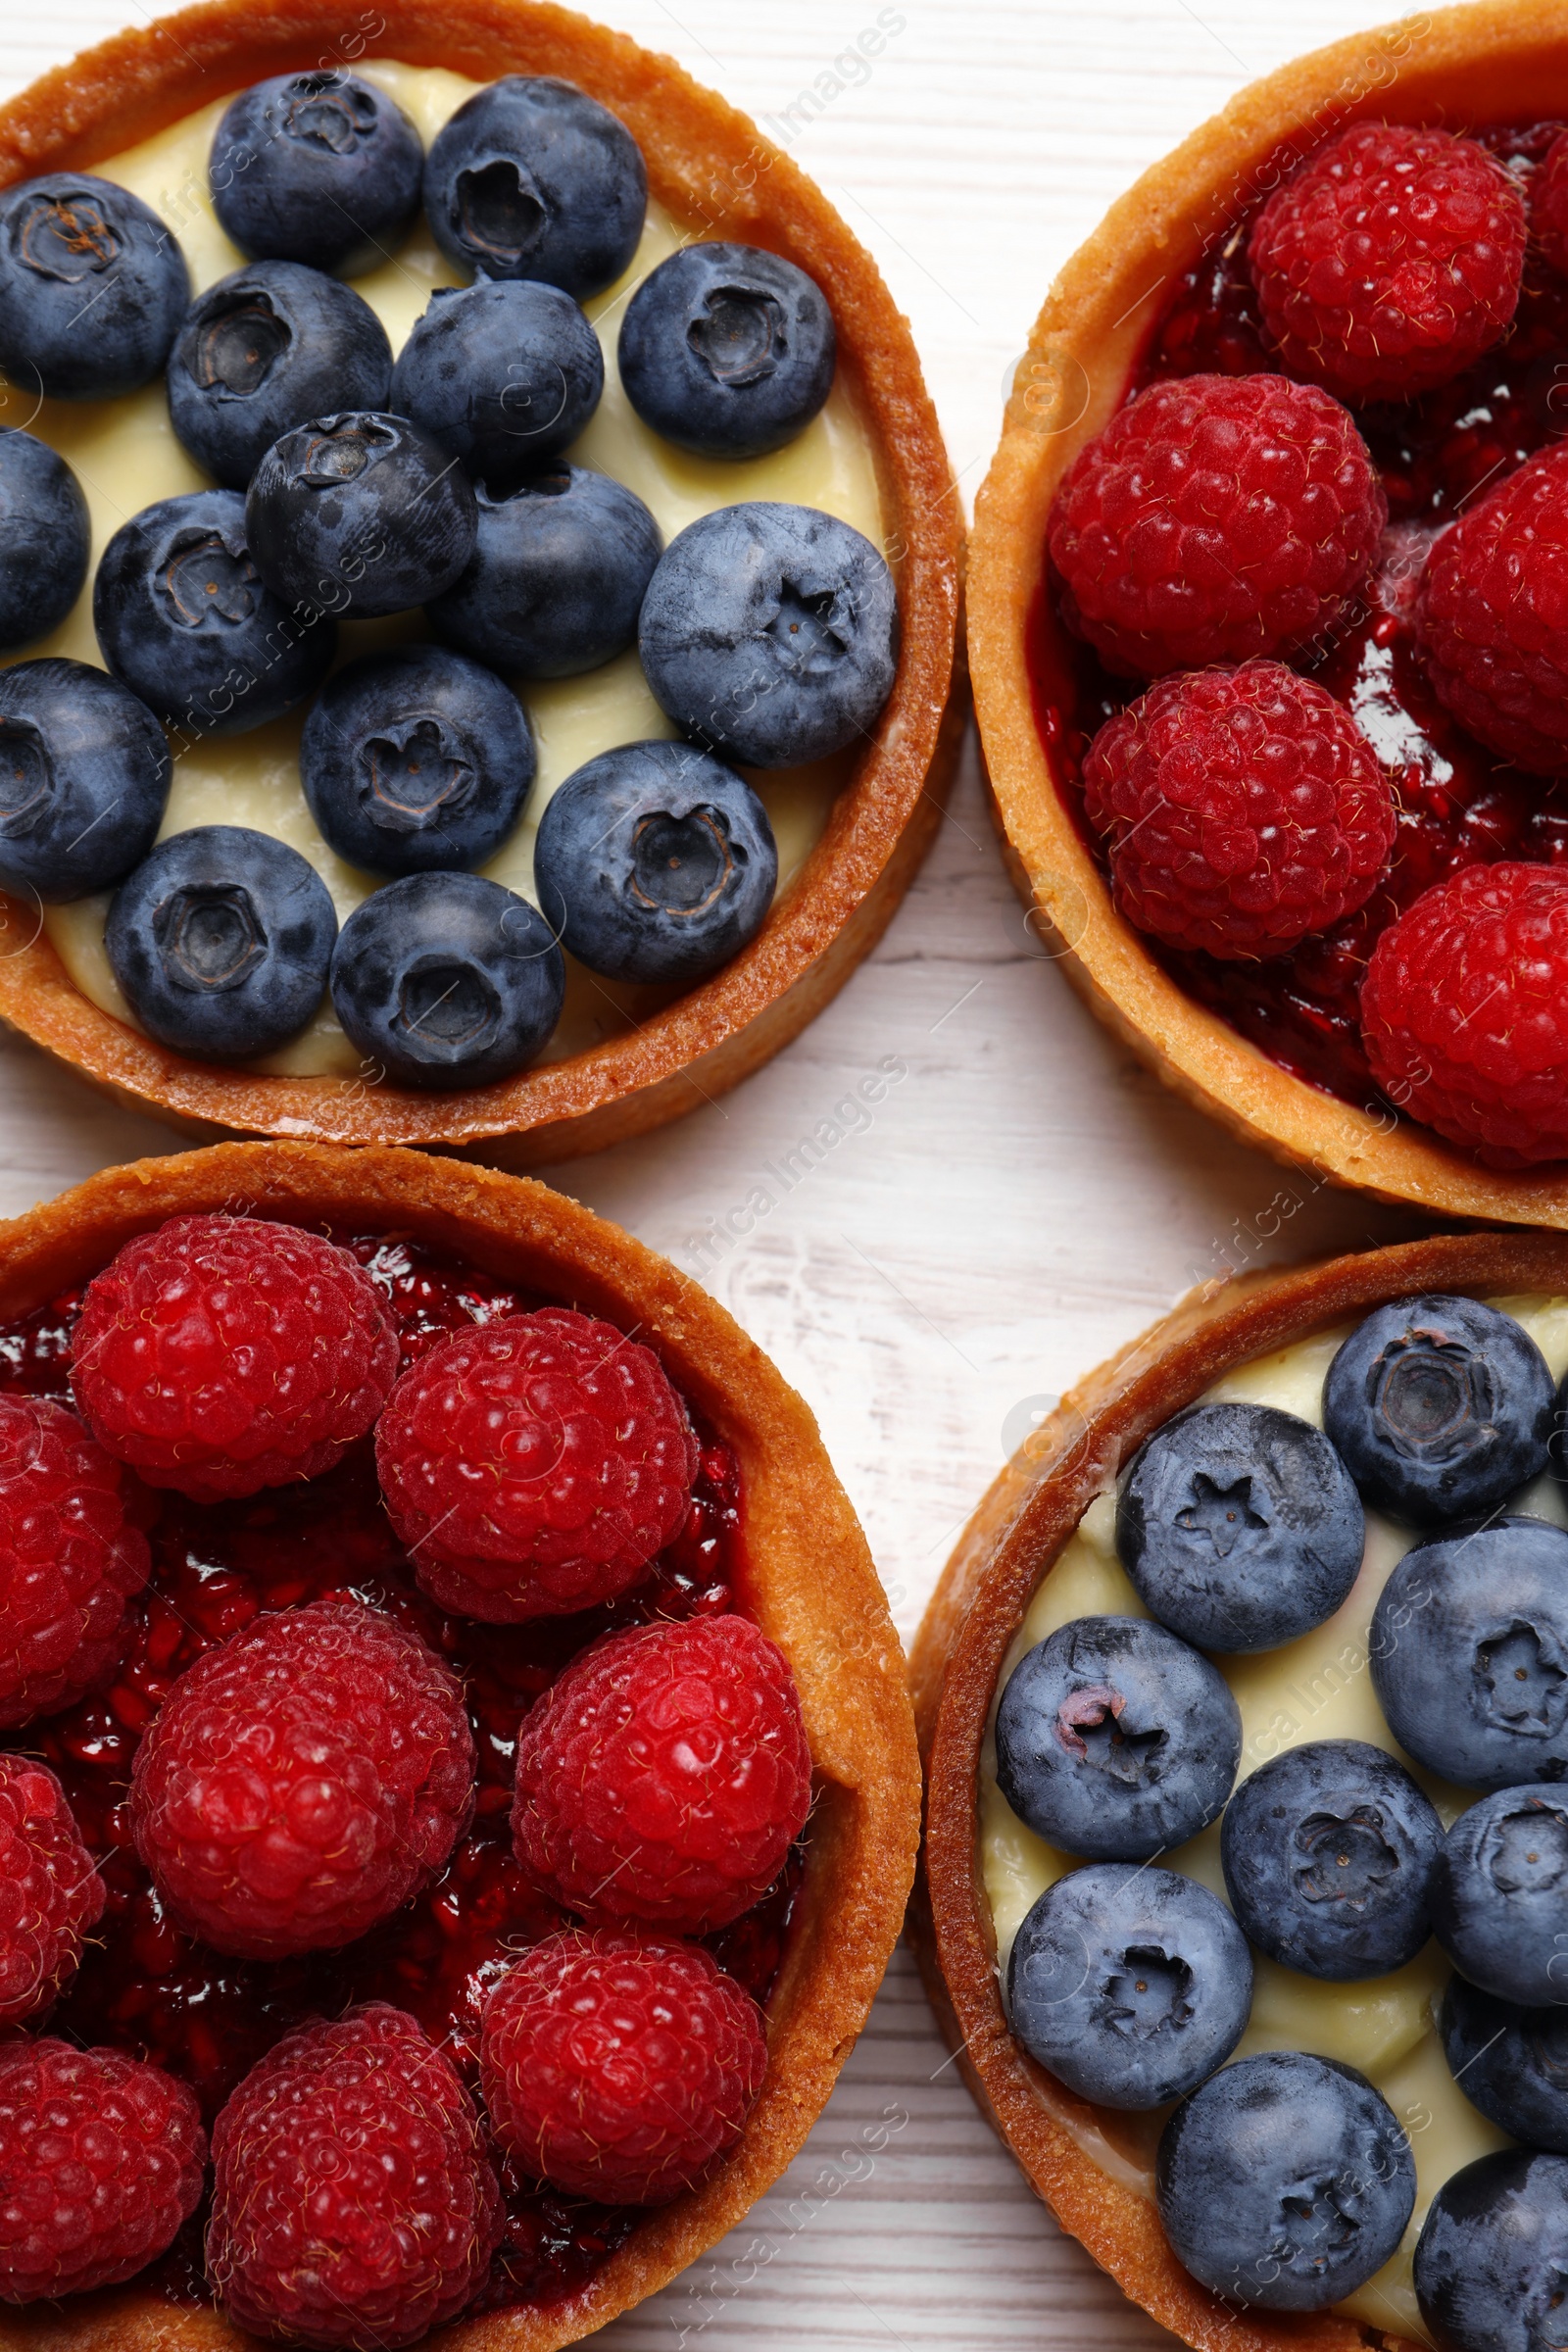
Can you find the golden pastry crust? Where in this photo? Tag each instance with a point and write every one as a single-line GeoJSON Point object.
{"type": "Point", "coordinates": [706, 163]}
{"type": "Point", "coordinates": [1484, 62]}
{"type": "Point", "coordinates": [807, 1581]}
{"type": "Point", "coordinates": [1010, 1544]}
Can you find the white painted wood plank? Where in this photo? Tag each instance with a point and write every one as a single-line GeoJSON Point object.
{"type": "Point", "coordinates": [1023, 1199]}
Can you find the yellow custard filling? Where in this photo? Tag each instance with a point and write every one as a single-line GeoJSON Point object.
{"type": "Point", "coordinates": [125, 457]}
{"type": "Point", "coordinates": [1318, 1687]}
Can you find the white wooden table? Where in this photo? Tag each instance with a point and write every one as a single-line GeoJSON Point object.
{"type": "Point", "coordinates": [1024, 1200]}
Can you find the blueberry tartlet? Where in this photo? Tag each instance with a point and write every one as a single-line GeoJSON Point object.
{"type": "Point", "coordinates": [439, 436]}
{"type": "Point", "coordinates": [1263, 615]}
{"type": "Point", "coordinates": [456, 1815]}
{"type": "Point", "coordinates": [1243, 1704]}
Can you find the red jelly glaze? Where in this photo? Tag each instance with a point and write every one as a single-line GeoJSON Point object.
{"type": "Point", "coordinates": [35, 1351]}
{"type": "Point", "coordinates": [147, 1989]}
{"type": "Point", "coordinates": [1458, 806]}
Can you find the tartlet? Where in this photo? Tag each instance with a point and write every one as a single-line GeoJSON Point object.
{"type": "Point", "coordinates": [1463, 68]}
{"type": "Point", "coordinates": [708, 164]}
{"type": "Point", "coordinates": [1074, 2154]}
{"type": "Point", "coordinates": [807, 1581]}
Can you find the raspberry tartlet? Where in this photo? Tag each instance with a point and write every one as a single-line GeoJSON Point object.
{"type": "Point", "coordinates": [498, 1962]}
{"type": "Point", "coordinates": [1221, 1696]}
{"type": "Point", "coordinates": [527, 862]}
{"type": "Point", "coordinates": [1292, 406]}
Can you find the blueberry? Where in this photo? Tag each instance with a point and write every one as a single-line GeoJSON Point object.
{"type": "Point", "coordinates": [1492, 2261]}
{"type": "Point", "coordinates": [1441, 1407]}
{"type": "Point", "coordinates": [1130, 1984]}
{"type": "Point", "coordinates": [1469, 1654]}
{"type": "Point", "coordinates": [316, 168]}
{"type": "Point", "coordinates": [656, 863]}
{"type": "Point", "coordinates": [533, 179]}
{"type": "Point", "coordinates": [1500, 1895]}
{"type": "Point", "coordinates": [1285, 2181]}
{"type": "Point", "coordinates": [92, 287]}
{"type": "Point", "coordinates": [448, 980]}
{"type": "Point", "coordinates": [502, 373]}
{"type": "Point", "coordinates": [416, 759]}
{"type": "Point", "coordinates": [184, 618]}
{"type": "Point", "coordinates": [1328, 1852]}
{"type": "Point", "coordinates": [727, 351]}
{"type": "Point", "coordinates": [1115, 1740]}
{"type": "Point", "coordinates": [84, 779]}
{"type": "Point", "coordinates": [44, 537]}
{"type": "Point", "coordinates": [221, 941]}
{"type": "Point", "coordinates": [1511, 2062]}
{"type": "Point", "coordinates": [267, 349]}
{"type": "Point", "coordinates": [769, 633]}
{"type": "Point", "coordinates": [360, 514]}
{"type": "Point", "coordinates": [557, 578]}
{"type": "Point", "coordinates": [1239, 1526]}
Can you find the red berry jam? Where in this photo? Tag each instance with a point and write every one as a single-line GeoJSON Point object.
{"type": "Point", "coordinates": [35, 1349]}
{"type": "Point", "coordinates": [145, 1987]}
{"type": "Point", "coordinates": [1458, 804]}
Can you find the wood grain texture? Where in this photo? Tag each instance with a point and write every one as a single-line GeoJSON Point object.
{"type": "Point", "coordinates": [1020, 1199]}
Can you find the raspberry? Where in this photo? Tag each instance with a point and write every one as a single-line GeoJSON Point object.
{"type": "Point", "coordinates": [70, 1560]}
{"type": "Point", "coordinates": [665, 1775]}
{"type": "Point", "coordinates": [301, 1781]}
{"type": "Point", "coordinates": [535, 1465]}
{"type": "Point", "coordinates": [1244, 808]}
{"type": "Point", "coordinates": [50, 1893]}
{"type": "Point", "coordinates": [1549, 204]}
{"type": "Point", "coordinates": [618, 2066]}
{"type": "Point", "coordinates": [1464, 1012]}
{"type": "Point", "coordinates": [219, 1354]}
{"type": "Point", "coordinates": [100, 2162]}
{"type": "Point", "coordinates": [1492, 610]}
{"type": "Point", "coordinates": [1216, 518]}
{"type": "Point", "coordinates": [352, 2201]}
{"type": "Point", "coordinates": [1390, 260]}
